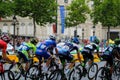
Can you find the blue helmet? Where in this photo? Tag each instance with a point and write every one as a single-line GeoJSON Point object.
{"type": "Point", "coordinates": [75, 40]}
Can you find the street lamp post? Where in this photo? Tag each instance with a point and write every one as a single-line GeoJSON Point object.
{"type": "Point", "coordinates": [17, 32]}
{"type": "Point", "coordinates": [82, 34]}
{"type": "Point", "coordinates": [119, 34]}
{"type": "Point", "coordinates": [93, 30]}
{"type": "Point", "coordinates": [14, 24]}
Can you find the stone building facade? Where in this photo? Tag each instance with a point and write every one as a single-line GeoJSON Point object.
{"type": "Point", "coordinates": [26, 27]}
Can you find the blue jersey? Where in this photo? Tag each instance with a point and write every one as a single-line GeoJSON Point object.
{"type": "Point", "coordinates": [108, 50]}
{"type": "Point", "coordinates": [50, 43]}
{"type": "Point", "coordinates": [46, 44]}
{"type": "Point", "coordinates": [43, 47]}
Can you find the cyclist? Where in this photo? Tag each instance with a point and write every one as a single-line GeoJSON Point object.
{"type": "Point", "coordinates": [117, 43]}
{"type": "Point", "coordinates": [4, 39]}
{"type": "Point", "coordinates": [45, 49]}
{"type": "Point", "coordinates": [108, 55]}
{"type": "Point", "coordinates": [24, 50]}
{"type": "Point", "coordinates": [64, 51]}
{"type": "Point", "coordinates": [88, 51]}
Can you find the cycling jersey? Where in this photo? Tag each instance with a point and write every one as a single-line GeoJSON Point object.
{"type": "Point", "coordinates": [90, 48]}
{"type": "Point", "coordinates": [24, 48]}
{"type": "Point", "coordinates": [65, 49]}
{"type": "Point", "coordinates": [50, 43]}
{"type": "Point", "coordinates": [3, 46]}
{"type": "Point", "coordinates": [44, 47]}
{"type": "Point", "coordinates": [88, 51]}
{"type": "Point", "coordinates": [108, 50]}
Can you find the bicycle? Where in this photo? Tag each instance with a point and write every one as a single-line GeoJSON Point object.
{"type": "Point", "coordinates": [35, 72]}
{"type": "Point", "coordinates": [84, 70]}
{"type": "Point", "coordinates": [81, 71]}
{"type": "Point", "coordinates": [116, 72]}
{"type": "Point", "coordinates": [5, 74]}
{"type": "Point", "coordinates": [104, 72]}
{"type": "Point", "coordinates": [64, 72]}
{"type": "Point", "coordinates": [18, 68]}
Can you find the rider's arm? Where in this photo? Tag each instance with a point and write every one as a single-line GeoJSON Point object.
{"type": "Point", "coordinates": [98, 52]}
{"type": "Point", "coordinates": [56, 50]}
{"type": "Point", "coordinates": [4, 54]}
{"type": "Point", "coordinates": [78, 53]}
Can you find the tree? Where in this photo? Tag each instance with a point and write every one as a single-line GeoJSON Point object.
{"type": "Point", "coordinates": [77, 13]}
{"type": "Point", "coordinates": [107, 12]}
{"type": "Point", "coordinates": [42, 11]}
{"type": "Point", "coordinates": [5, 8]}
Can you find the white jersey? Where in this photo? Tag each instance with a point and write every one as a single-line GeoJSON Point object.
{"type": "Point", "coordinates": [61, 44]}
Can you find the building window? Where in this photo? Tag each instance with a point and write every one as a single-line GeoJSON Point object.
{"type": "Point", "coordinates": [65, 1]}
{"type": "Point", "coordinates": [22, 24]}
{"type": "Point", "coordinates": [30, 24]}
{"type": "Point", "coordinates": [5, 24]}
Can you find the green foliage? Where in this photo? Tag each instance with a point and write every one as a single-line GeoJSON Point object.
{"type": "Point", "coordinates": [77, 13]}
{"type": "Point", "coordinates": [5, 8]}
{"type": "Point", "coordinates": [42, 11]}
{"type": "Point", "coordinates": [22, 7]}
{"type": "Point", "coordinates": [107, 12]}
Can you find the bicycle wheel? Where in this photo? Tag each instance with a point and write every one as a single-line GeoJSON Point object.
{"type": "Point", "coordinates": [32, 73]}
{"type": "Point", "coordinates": [55, 75]}
{"type": "Point", "coordinates": [117, 68]}
{"type": "Point", "coordinates": [92, 71]}
{"type": "Point", "coordinates": [7, 75]}
{"type": "Point", "coordinates": [101, 74]}
{"type": "Point", "coordinates": [16, 69]}
{"type": "Point", "coordinates": [75, 74]}
{"type": "Point", "coordinates": [118, 77]}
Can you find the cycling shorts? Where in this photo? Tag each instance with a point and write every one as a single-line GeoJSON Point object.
{"type": "Point", "coordinates": [64, 54]}
{"type": "Point", "coordinates": [87, 56]}
{"type": "Point", "coordinates": [108, 58]}
{"type": "Point", "coordinates": [23, 56]}
{"type": "Point", "coordinates": [42, 54]}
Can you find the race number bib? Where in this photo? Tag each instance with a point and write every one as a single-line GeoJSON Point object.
{"type": "Point", "coordinates": [23, 47]}
{"type": "Point", "coordinates": [43, 46]}
{"type": "Point", "coordinates": [66, 47]}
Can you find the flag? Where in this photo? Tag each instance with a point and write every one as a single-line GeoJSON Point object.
{"type": "Point", "coordinates": [54, 28]}
{"type": "Point", "coordinates": [0, 18]}
{"type": "Point", "coordinates": [62, 16]}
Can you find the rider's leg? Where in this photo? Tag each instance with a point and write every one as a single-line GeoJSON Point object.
{"type": "Point", "coordinates": [24, 56]}
{"type": "Point", "coordinates": [85, 57]}
{"type": "Point", "coordinates": [91, 59]}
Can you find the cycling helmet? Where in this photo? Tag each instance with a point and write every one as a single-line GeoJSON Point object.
{"type": "Point", "coordinates": [96, 41]}
{"type": "Point", "coordinates": [117, 41]}
{"type": "Point", "coordinates": [34, 41]}
{"type": "Point", "coordinates": [75, 40]}
{"type": "Point", "coordinates": [52, 37]}
{"type": "Point", "coordinates": [5, 37]}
